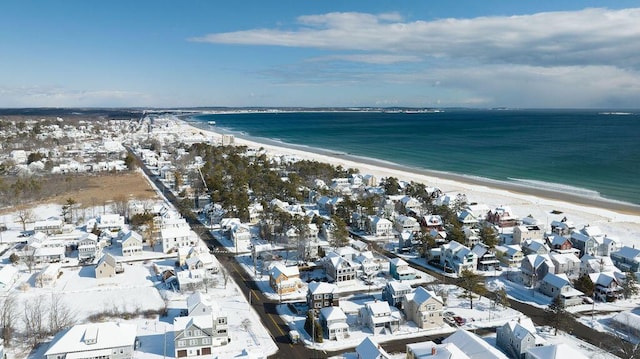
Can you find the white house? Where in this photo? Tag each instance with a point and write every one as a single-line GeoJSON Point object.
{"type": "Point", "coordinates": [107, 340]}
{"type": "Point", "coordinates": [379, 317]}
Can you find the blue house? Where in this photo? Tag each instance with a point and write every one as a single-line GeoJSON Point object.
{"type": "Point", "coordinates": [400, 270]}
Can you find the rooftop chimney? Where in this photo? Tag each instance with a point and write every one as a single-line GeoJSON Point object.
{"type": "Point", "coordinates": [433, 350]}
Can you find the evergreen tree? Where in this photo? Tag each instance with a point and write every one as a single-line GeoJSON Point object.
{"type": "Point", "coordinates": [584, 284]}
{"type": "Point", "coordinates": [558, 316]}
{"type": "Point", "coordinates": [339, 233]}
{"type": "Point", "coordinates": [472, 284]}
{"type": "Point", "coordinates": [391, 186]}
{"type": "Point", "coordinates": [488, 236]}
{"type": "Point", "coordinates": [630, 285]}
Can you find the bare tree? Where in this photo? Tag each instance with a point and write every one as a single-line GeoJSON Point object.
{"type": "Point", "coordinates": [120, 205]}
{"type": "Point", "coordinates": [34, 319]}
{"type": "Point", "coordinates": [25, 216]}
{"type": "Point", "coordinates": [225, 276]}
{"type": "Point", "coordinates": [61, 316]}
{"type": "Point", "coordinates": [8, 314]}
{"type": "Point", "coordinates": [29, 257]}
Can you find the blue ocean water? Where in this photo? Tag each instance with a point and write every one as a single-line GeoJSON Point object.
{"type": "Point", "coordinates": [587, 152]}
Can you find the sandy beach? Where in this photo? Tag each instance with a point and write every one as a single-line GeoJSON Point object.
{"type": "Point", "coordinates": [615, 219]}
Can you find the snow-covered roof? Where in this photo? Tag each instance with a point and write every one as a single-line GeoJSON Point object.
{"type": "Point", "coordinates": [432, 350]}
{"type": "Point", "coordinates": [333, 313]}
{"type": "Point", "coordinates": [368, 349]}
{"type": "Point", "coordinates": [106, 335]}
{"type": "Point", "coordinates": [474, 346]}
{"type": "Point", "coordinates": [555, 351]}
{"type": "Point", "coordinates": [200, 321]}
{"type": "Point", "coordinates": [628, 253]}
{"type": "Point", "coordinates": [321, 288]}
{"type": "Point", "coordinates": [280, 268]}
{"type": "Point", "coordinates": [556, 280]}
{"type": "Point", "coordinates": [421, 295]}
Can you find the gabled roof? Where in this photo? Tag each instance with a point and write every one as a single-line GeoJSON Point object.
{"type": "Point", "coordinates": [196, 299]}
{"type": "Point", "coordinates": [474, 346]}
{"type": "Point", "coordinates": [200, 321]}
{"type": "Point", "coordinates": [556, 280]}
{"type": "Point", "coordinates": [399, 286]}
{"type": "Point", "coordinates": [333, 313]}
{"type": "Point", "coordinates": [378, 307]}
{"type": "Point", "coordinates": [555, 351]}
{"type": "Point", "coordinates": [107, 335]}
{"type": "Point", "coordinates": [368, 349]}
{"type": "Point", "coordinates": [398, 262]}
{"type": "Point", "coordinates": [421, 295]}
{"type": "Point", "coordinates": [628, 253]}
{"type": "Point", "coordinates": [280, 268]}
{"type": "Point", "coordinates": [321, 288]}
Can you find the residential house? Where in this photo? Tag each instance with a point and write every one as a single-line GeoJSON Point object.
{"type": "Point", "coordinates": [554, 285]}
{"type": "Point", "coordinates": [334, 323]}
{"type": "Point", "coordinates": [89, 247]}
{"type": "Point", "coordinates": [394, 291]}
{"type": "Point", "coordinates": [369, 349]}
{"type": "Point", "coordinates": [526, 232]}
{"type": "Point", "coordinates": [565, 263]}
{"type": "Point", "coordinates": [49, 226]}
{"type": "Point", "coordinates": [432, 221]}
{"type": "Point", "coordinates": [607, 285]}
{"type": "Point", "coordinates": [283, 279]}
{"type": "Point", "coordinates": [590, 264]}
{"type": "Point", "coordinates": [405, 223]}
{"type": "Point", "coordinates": [198, 335]}
{"type": "Point", "coordinates": [554, 351]}
{"type": "Point", "coordinates": [131, 243]}
{"type": "Point", "coordinates": [473, 346]}
{"type": "Point", "coordinates": [48, 275]}
{"type": "Point", "coordinates": [431, 350]}
{"type": "Point", "coordinates": [561, 244]}
{"type": "Point", "coordinates": [108, 340]}
{"type": "Point", "coordinates": [586, 244]}
{"type": "Point", "coordinates": [411, 205]}
{"type": "Point", "coordinates": [563, 227]}
{"type": "Point", "coordinates": [487, 260]}
{"type": "Point", "coordinates": [321, 294]}
{"type": "Point", "coordinates": [517, 336]}
{"type": "Point", "coordinates": [467, 218]}
{"type": "Point", "coordinates": [535, 247]}
{"type": "Point", "coordinates": [368, 263]}
{"type": "Point", "coordinates": [189, 280]}
{"type": "Point", "coordinates": [627, 259]}
{"type": "Point", "coordinates": [108, 267]}
{"type": "Point", "coordinates": [471, 236]}
{"type": "Point", "coordinates": [534, 267]}
{"type": "Point", "coordinates": [458, 257]}
{"type": "Point", "coordinates": [380, 227]}
{"type": "Point", "coordinates": [175, 237]}
{"type": "Point", "coordinates": [400, 270]}
{"type": "Point", "coordinates": [510, 256]}
{"type": "Point", "coordinates": [110, 222]}
{"type": "Point", "coordinates": [423, 308]}
{"type": "Point", "coordinates": [339, 269]}
{"type": "Point", "coordinates": [502, 217]}
{"type": "Point", "coordinates": [378, 317]}
{"type": "Point", "coordinates": [198, 304]}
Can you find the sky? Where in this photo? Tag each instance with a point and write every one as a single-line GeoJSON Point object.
{"type": "Point", "coordinates": [320, 53]}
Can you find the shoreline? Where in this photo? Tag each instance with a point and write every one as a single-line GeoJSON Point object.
{"type": "Point", "coordinates": [434, 176]}
{"type": "Point", "coordinates": [616, 220]}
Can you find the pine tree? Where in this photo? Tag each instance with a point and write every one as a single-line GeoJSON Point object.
{"type": "Point", "coordinates": [584, 284]}
{"type": "Point", "coordinates": [558, 316]}
{"type": "Point", "coordinates": [472, 284]}
{"type": "Point", "coordinates": [629, 285]}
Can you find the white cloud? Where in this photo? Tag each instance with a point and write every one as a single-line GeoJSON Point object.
{"type": "Point", "coordinates": [383, 59]}
{"type": "Point", "coordinates": [586, 37]}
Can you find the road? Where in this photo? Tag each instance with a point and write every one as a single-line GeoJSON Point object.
{"type": "Point", "coordinates": [266, 308]}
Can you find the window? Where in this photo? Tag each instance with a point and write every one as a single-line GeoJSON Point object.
{"type": "Point", "coordinates": [206, 340]}
{"type": "Point", "coordinates": [197, 333]}
{"type": "Point", "coordinates": [180, 343]}
{"type": "Point", "coordinates": [193, 342]}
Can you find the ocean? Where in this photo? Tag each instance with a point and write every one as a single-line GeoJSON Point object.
{"type": "Point", "coordinates": [590, 153]}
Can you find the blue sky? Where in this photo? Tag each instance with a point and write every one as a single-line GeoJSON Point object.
{"type": "Point", "coordinates": [560, 54]}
